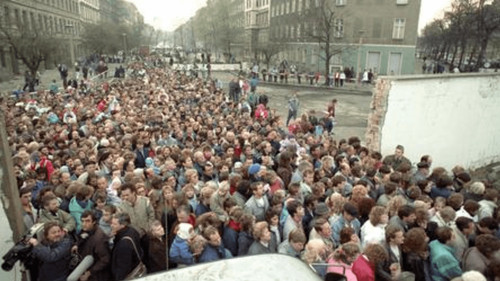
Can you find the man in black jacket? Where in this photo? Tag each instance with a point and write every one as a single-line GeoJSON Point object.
{"type": "Point", "coordinates": [92, 241]}
{"type": "Point", "coordinates": [124, 258]}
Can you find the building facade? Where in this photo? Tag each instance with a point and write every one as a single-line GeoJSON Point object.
{"type": "Point", "coordinates": [257, 21]}
{"type": "Point", "coordinates": [60, 19]}
{"type": "Point", "coordinates": [380, 35]}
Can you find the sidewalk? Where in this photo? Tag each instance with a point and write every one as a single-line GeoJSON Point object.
{"type": "Point", "coordinates": [46, 77]}
{"type": "Point", "coordinates": [351, 87]}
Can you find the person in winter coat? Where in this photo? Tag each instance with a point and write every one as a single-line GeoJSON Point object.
{"type": "Point", "coordinates": [488, 205]}
{"type": "Point", "coordinates": [80, 203]}
{"type": "Point", "coordinates": [478, 258]}
{"type": "Point", "coordinates": [444, 265]}
{"type": "Point", "coordinates": [180, 252]}
{"type": "Point", "coordinates": [263, 244]}
{"type": "Point", "coordinates": [53, 253]}
{"type": "Point", "coordinates": [231, 230]}
{"type": "Point", "coordinates": [51, 212]}
{"type": "Point", "coordinates": [157, 259]}
{"type": "Point", "coordinates": [92, 241]}
{"type": "Point", "coordinates": [342, 259]}
{"type": "Point", "coordinates": [245, 237]}
{"type": "Point", "coordinates": [138, 207]}
{"type": "Point", "coordinates": [258, 204]}
{"type": "Point", "coordinates": [127, 240]}
{"type": "Point", "coordinates": [214, 250]}
{"type": "Point", "coordinates": [416, 258]}
{"type": "Point", "coordinates": [365, 266]}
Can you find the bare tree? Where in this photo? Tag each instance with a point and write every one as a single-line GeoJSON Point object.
{"type": "Point", "coordinates": [488, 22]}
{"type": "Point", "coordinates": [267, 50]}
{"type": "Point", "coordinates": [30, 43]}
{"type": "Point", "coordinates": [103, 39]}
{"type": "Point", "coordinates": [468, 27]}
{"type": "Point", "coordinates": [327, 30]}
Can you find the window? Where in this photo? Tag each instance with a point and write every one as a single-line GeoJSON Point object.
{"type": "Point", "coordinates": [287, 7]}
{"type": "Point", "coordinates": [293, 6]}
{"type": "Point", "coordinates": [401, 2]}
{"type": "Point", "coordinates": [299, 6]}
{"type": "Point", "coordinates": [398, 30]}
{"type": "Point", "coordinates": [340, 2]}
{"type": "Point", "coordinates": [377, 27]}
{"type": "Point", "coordinates": [7, 16]}
{"type": "Point", "coordinates": [2, 59]}
{"type": "Point", "coordinates": [339, 28]}
{"type": "Point", "coordinates": [282, 8]}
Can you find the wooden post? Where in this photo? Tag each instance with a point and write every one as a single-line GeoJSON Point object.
{"type": "Point", "coordinates": [9, 193]}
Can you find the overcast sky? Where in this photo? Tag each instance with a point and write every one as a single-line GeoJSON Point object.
{"type": "Point", "coordinates": [169, 14]}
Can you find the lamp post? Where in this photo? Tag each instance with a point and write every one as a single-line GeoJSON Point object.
{"type": "Point", "coordinates": [70, 27]}
{"type": "Point", "coordinates": [358, 66]}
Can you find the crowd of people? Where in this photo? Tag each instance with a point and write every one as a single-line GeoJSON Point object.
{"type": "Point", "coordinates": [167, 171]}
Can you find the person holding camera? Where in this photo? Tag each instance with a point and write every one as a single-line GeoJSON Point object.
{"type": "Point", "coordinates": [53, 252]}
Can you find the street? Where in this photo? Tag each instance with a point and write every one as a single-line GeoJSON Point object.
{"type": "Point", "coordinates": [351, 112]}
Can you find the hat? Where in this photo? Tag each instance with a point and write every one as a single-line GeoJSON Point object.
{"type": "Point", "coordinates": [238, 165]}
{"type": "Point", "coordinates": [423, 165]}
{"type": "Point", "coordinates": [183, 231]}
{"type": "Point", "coordinates": [321, 209]}
{"type": "Point", "coordinates": [351, 209]}
{"type": "Point", "coordinates": [254, 169]}
{"type": "Point", "coordinates": [104, 142]}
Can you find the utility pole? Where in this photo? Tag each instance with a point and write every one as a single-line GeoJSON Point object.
{"type": "Point", "coordinates": [9, 193]}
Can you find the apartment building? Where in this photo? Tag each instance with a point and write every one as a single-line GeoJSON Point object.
{"type": "Point", "coordinates": [380, 35]}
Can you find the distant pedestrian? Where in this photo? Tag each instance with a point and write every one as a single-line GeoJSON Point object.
{"type": "Point", "coordinates": [365, 79]}
{"type": "Point", "coordinates": [342, 78]}
{"type": "Point", "coordinates": [330, 118]}
{"type": "Point", "coordinates": [293, 107]}
{"type": "Point", "coordinates": [63, 71]}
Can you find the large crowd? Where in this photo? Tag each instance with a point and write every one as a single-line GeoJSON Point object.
{"type": "Point", "coordinates": [167, 171]}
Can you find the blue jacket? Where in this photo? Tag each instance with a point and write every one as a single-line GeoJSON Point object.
{"type": "Point", "coordinates": [201, 209]}
{"type": "Point", "coordinates": [444, 265]}
{"type": "Point", "coordinates": [245, 240]}
{"type": "Point", "coordinates": [54, 260]}
{"type": "Point", "coordinates": [443, 192]}
{"type": "Point", "coordinates": [230, 240]}
{"type": "Point", "coordinates": [180, 252]}
{"type": "Point", "coordinates": [340, 224]}
{"type": "Point", "coordinates": [211, 253]}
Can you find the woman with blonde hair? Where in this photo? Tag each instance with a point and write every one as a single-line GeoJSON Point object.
{"type": "Point", "coordinates": [336, 204]}
{"type": "Point", "coordinates": [341, 260]}
{"type": "Point", "coordinates": [314, 256]}
{"type": "Point", "coordinates": [394, 204]}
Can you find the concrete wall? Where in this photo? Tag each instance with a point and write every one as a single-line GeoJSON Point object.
{"type": "Point", "coordinates": [455, 118]}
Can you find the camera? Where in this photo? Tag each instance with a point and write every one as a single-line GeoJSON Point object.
{"type": "Point", "coordinates": [21, 251]}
